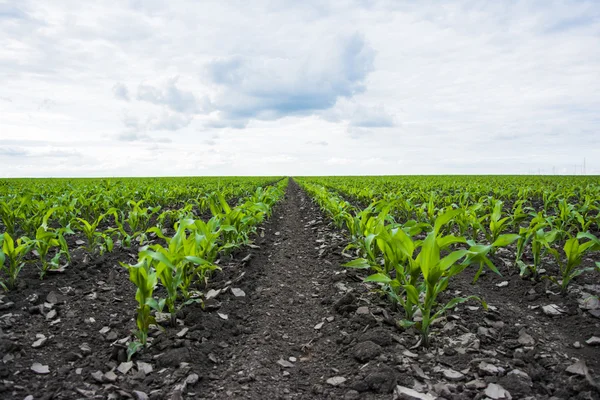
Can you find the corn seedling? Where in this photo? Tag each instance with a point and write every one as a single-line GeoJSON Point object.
{"type": "Point", "coordinates": [145, 279]}
{"type": "Point", "coordinates": [15, 255]}
{"type": "Point", "coordinates": [570, 262]}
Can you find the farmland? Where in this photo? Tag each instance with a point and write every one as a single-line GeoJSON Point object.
{"type": "Point", "coordinates": [313, 287]}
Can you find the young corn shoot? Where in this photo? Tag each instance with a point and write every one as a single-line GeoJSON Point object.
{"type": "Point", "coordinates": [436, 271]}
{"type": "Point", "coordinates": [145, 279]}
{"type": "Point", "coordinates": [16, 258]}
{"type": "Point", "coordinates": [570, 264]}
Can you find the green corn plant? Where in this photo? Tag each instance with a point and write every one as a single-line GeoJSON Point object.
{"type": "Point", "coordinates": [145, 279]}
{"type": "Point", "coordinates": [168, 218]}
{"type": "Point", "coordinates": [436, 272]}
{"type": "Point", "coordinates": [478, 253]}
{"type": "Point", "coordinates": [170, 276]}
{"type": "Point", "coordinates": [189, 256]}
{"type": "Point", "coordinates": [12, 211]}
{"type": "Point", "coordinates": [497, 224]}
{"type": "Point", "coordinates": [97, 240]}
{"type": "Point", "coordinates": [541, 241]}
{"type": "Point", "coordinates": [397, 249]}
{"type": "Point", "coordinates": [15, 256]}
{"type": "Point", "coordinates": [519, 213]}
{"type": "Point", "coordinates": [47, 239]}
{"type": "Point", "coordinates": [570, 263]}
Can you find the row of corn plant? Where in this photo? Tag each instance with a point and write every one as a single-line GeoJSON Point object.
{"type": "Point", "coordinates": [36, 216]}
{"type": "Point", "coordinates": [186, 260]}
{"type": "Point", "coordinates": [413, 270]}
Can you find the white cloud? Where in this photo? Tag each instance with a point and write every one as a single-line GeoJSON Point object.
{"type": "Point", "coordinates": [458, 87]}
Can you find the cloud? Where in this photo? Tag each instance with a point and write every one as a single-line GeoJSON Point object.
{"type": "Point", "coordinates": [424, 83]}
{"type": "Point", "coordinates": [132, 136]}
{"type": "Point", "coordinates": [272, 88]}
{"type": "Point", "coordinates": [7, 151]}
{"type": "Point", "coordinates": [38, 152]}
{"type": "Point", "coordinates": [171, 96]}
{"type": "Point", "coordinates": [371, 117]}
{"type": "Point", "coordinates": [168, 121]}
{"type": "Point", "coordinates": [120, 91]}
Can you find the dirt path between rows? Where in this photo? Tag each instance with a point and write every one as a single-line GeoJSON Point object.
{"type": "Point", "coordinates": [292, 346]}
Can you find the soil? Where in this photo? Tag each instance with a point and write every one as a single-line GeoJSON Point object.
{"type": "Point", "coordinates": [306, 328]}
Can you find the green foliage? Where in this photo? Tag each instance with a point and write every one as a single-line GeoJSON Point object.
{"type": "Point", "coordinates": [145, 279]}
{"type": "Point", "coordinates": [15, 254]}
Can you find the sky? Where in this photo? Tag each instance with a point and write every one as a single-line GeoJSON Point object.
{"type": "Point", "coordinates": [177, 88]}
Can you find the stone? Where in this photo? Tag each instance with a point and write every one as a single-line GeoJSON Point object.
{"type": "Point", "coordinates": [124, 367]}
{"type": "Point", "coordinates": [476, 384]}
{"type": "Point", "coordinates": [182, 332]}
{"type": "Point", "coordinates": [237, 292]}
{"type": "Point", "coordinates": [104, 330]}
{"type": "Point", "coordinates": [285, 363]}
{"type": "Point", "coordinates": [502, 284]}
{"type": "Point", "coordinates": [525, 339]}
{"type": "Point", "coordinates": [41, 339]}
{"type": "Point", "coordinates": [51, 314]}
{"type": "Point", "coordinates": [336, 380]}
{"type": "Point", "coordinates": [410, 354]}
{"type": "Point", "coordinates": [552, 310]}
{"type": "Point", "coordinates": [54, 298]}
{"type": "Point", "coordinates": [192, 379]}
{"type": "Point", "coordinates": [85, 349]}
{"type": "Point", "coordinates": [404, 393]}
{"type": "Point", "coordinates": [593, 341]}
{"type": "Point", "coordinates": [139, 395]}
{"type": "Point", "coordinates": [497, 392]}
{"type": "Point", "coordinates": [366, 351]}
{"type": "Point", "coordinates": [40, 369]}
{"type": "Point", "coordinates": [145, 367]}
{"type": "Point", "coordinates": [576, 345]}
{"type": "Point", "coordinates": [98, 376]}
{"type": "Point", "coordinates": [110, 376]}
{"type": "Point", "coordinates": [223, 316]}
{"type": "Point", "coordinates": [212, 293]}
{"type": "Point", "coordinates": [319, 326]}
{"type": "Point", "coordinates": [591, 303]}
{"type": "Point", "coordinates": [362, 310]}
{"type": "Point", "coordinates": [488, 369]}
{"type": "Point", "coordinates": [453, 375]}
{"type": "Point", "coordinates": [579, 368]}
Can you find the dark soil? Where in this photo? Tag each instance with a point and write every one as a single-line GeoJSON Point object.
{"type": "Point", "coordinates": [304, 319]}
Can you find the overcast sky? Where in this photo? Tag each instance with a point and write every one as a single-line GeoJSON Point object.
{"type": "Point", "coordinates": [145, 87]}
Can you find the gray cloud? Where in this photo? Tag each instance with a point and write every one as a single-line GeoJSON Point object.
{"type": "Point", "coordinates": [371, 117]}
{"type": "Point", "coordinates": [7, 151]}
{"type": "Point", "coordinates": [120, 91]}
{"type": "Point", "coordinates": [269, 89]}
{"type": "Point", "coordinates": [132, 136]}
{"type": "Point", "coordinates": [171, 96]}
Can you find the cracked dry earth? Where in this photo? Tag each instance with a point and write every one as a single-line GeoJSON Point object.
{"type": "Point", "coordinates": [286, 321]}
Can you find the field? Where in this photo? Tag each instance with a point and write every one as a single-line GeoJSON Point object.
{"type": "Point", "coordinates": [408, 287]}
